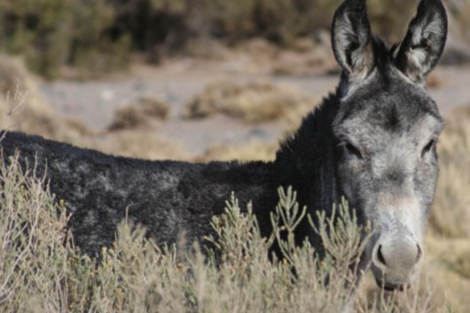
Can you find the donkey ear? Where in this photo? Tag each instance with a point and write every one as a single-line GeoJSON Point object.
{"type": "Point", "coordinates": [351, 39]}
{"type": "Point", "coordinates": [424, 42]}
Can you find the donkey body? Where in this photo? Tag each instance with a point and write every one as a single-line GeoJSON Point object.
{"type": "Point", "coordinates": [170, 199]}
{"type": "Point", "coordinates": [372, 141]}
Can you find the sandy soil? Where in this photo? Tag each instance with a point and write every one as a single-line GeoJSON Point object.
{"type": "Point", "coordinates": [178, 81]}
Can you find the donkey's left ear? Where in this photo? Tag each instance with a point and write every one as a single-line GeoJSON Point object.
{"type": "Point", "coordinates": [352, 40]}
{"type": "Point", "coordinates": [424, 43]}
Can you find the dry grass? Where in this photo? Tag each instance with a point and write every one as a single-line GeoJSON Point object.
{"type": "Point", "coordinates": [242, 152]}
{"type": "Point", "coordinates": [451, 212]}
{"type": "Point", "coordinates": [31, 232]}
{"type": "Point", "coordinates": [22, 106]}
{"type": "Point", "coordinates": [462, 113]}
{"type": "Point", "coordinates": [424, 296]}
{"type": "Point", "coordinates": [435, 81]}
{"type": "Point", "coordinates": [42, 271]}
{"type": "Point", "coordinates": [139, 114]}
{"type": "Point", "coordinates": [252, 102]}
{"type": "Point", "coordinates": [306, 56]}
{"type": "Point", "coordinates": [136, 144]}
{"type": "Point", "coordinates": [447, 263]}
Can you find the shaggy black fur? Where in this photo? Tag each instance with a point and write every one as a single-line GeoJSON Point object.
{"type": "Point", "coordinates": [173, 199]}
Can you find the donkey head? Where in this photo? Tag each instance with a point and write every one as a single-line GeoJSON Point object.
{"type": "Point", "coordinates": [386, 128]}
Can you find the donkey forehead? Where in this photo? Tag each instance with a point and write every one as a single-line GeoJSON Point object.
{"type": "Point", "coordinates": [382, 117]}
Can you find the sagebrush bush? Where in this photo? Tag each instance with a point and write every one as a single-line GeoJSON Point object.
{"type": "Point", "coordinates": [33, 257]}
{"type": "Point", "coordinates": [42, 271]}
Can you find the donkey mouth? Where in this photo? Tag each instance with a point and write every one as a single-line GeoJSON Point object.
{"type": "Point", "coordinates": [392, 286]}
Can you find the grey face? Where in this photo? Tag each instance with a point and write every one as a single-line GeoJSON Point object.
{"type": "Point", "coordinates": [387, 129]}
{"type": "Point", "coordinates": [388, 169]}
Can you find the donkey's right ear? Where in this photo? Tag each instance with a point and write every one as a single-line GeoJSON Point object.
{"type": "Point", "coordinates": [424, 42]}
{"type": "Point", "coordinates": [352, 40]}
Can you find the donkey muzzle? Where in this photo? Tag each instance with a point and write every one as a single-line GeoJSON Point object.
{"type": "Point", "coordinates": [396, 261]}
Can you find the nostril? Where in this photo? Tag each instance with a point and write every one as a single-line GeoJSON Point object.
{"type": "Point", "coordinates": [380, 256]}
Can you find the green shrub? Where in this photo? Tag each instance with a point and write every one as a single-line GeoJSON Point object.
{"type": "Point", "coordinates": [98, 36]}
{"type": "Point", "coordinates": [51, 33]}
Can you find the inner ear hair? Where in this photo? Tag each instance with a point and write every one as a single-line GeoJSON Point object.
{"type": "Point", "coordinates": [352, 39]}
{"type": "Point", "coordinates": [424, 42]}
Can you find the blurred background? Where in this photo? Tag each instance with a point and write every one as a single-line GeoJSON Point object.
{"type": "Point", "coordinates": [203, 80]}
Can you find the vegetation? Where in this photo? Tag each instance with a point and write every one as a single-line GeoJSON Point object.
{"type": "Point", "coordinates": [250, 151]}
{"type": "Point", "coordinates": [51, 33]}
{"type": "Point", "coordinates": [139, 114]}
{"type": "Point", "coordinates": [22, 106]}
{"type": "Point", "coordinates": [252, 102]}
{"type": "Point", "coordinates": [43, 272]}
{"type": "Point", "coordinates": [452, 190]}
{"type": "Point", "coordinates": [100, 35]}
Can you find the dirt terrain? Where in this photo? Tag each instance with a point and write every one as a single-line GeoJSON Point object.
{"type": "Point", "coordinates": [177, 82]}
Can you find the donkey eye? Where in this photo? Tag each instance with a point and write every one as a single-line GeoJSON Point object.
{"type": "Point", "coordinates": [351, 149]}
{"type": "Point", "coordinates": [429, 147]}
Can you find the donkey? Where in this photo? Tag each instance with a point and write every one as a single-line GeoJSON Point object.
{"type": "Point", "coordinates": [373, 141]}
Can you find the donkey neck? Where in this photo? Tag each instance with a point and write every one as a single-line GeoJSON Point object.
{"type": "Point", "coordinates": [306, 161]}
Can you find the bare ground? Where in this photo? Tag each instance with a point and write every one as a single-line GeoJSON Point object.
{"type": "Point", "coordinates": [178, 81]}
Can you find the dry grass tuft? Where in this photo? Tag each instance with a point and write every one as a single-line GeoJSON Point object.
{"type": "Point", "coordinates": [458, 261]}
{"type": "Point", "coordinates": [293, 64]}
{"type": "Point", "coordinates": [22, 106]}
{"type": "Point", "coordinates": [34, 260]}
{"type": "Point", "coordinates": [252, 102]}
{"type": "Point", "coordinates": [451, 212]}
{"type": "Point", "coordinates": [136, 144]}
{"type": "Point", "coordinates": [423, 296]}
{"type": "Point", "coordinates": [139, 114]}
{"type": "Point", "coordinates": [246, 152]}
{"type": "Point", "coordinates": [435, 81]}
{"type": "Point", "coordinates": [462, 113]}
{"type": "Point", "coordinates": [307, 57]}
{"type": "Point", "coordinates": [79, 128]}
{"type": "Point", "coordinates": [448, 262]}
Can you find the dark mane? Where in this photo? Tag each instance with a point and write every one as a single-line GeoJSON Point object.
{"type": "Point", "coordinates": [306, 159]}
{"type": "Point", "coordinates": [384, 55]}
{"type": "Point", "coordinates": [313, 126]}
